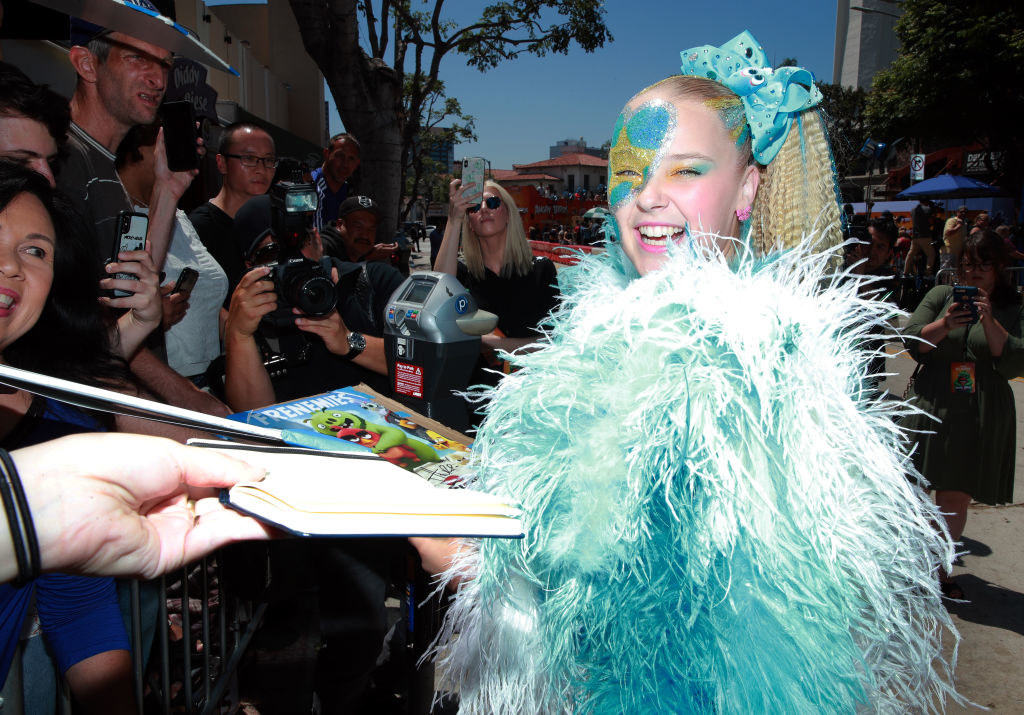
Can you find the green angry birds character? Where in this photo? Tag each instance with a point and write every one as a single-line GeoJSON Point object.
{"type": "Point", "coordinates": [389, 442]}
{"type": "Point", "coordinates": [329, 421]}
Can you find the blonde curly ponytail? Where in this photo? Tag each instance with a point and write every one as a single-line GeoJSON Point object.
{"type": "Point", "coordinates": [797, 196]}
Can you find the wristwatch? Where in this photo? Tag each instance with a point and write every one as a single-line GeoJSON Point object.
{"type": "Point", "coordinates": [356, 345]}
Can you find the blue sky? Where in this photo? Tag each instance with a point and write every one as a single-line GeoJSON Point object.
{"type": "Point", "coordinates": [524, 106]}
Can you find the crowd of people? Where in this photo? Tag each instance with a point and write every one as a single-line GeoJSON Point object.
{"type": "Point", "coordinates": [186, 321]}
{"type": "Point", "coordinates": [929, 250]}
{"type": "Point", "coordinates": [966, 350]}
{"type": "Point", "coordinates": [578, 194]}
{"type": "Point", "coordinates": [670, 414]}
{"type": "Point", "coordinates": [585, 232]}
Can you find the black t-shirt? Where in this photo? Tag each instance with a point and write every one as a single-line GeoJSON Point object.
{"type": "Point", "coordinates": [520, 302]}
{"type": "Point", "coordinates": [214, 229]}
{"type": "Point", "coordinates": [87, 175]}
{"type": "Point", "coordinates": [363, 293]}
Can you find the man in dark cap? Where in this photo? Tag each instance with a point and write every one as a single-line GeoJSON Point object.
{"type": "Point", "coordinates": [354, 237]}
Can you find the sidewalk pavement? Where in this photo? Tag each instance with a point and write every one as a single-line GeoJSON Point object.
{"type": "Point", "coordinates": [990, 666]}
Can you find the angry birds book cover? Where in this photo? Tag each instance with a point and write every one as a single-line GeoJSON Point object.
{"type": "Point", "coordinates": [376, 424]}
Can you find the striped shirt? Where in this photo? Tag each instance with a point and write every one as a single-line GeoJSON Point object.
{"type": "Point", "coordinates": [328, 201]}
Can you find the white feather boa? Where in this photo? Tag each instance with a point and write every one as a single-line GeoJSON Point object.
{"type": "Point", "coordinates": [718, 515]}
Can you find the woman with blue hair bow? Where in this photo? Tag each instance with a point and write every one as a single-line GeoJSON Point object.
{"type": "Point", "coordinates": [717, 513]}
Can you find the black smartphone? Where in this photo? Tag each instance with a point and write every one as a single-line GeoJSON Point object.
{"type": "Point", "coordinates": [186, 281]}
{"type": "Point", "coordinates": [964, 297]}
{"type": "Point", "coordinates": [131, 236]}
{"type": "Point", "coordinates": [180, 136]}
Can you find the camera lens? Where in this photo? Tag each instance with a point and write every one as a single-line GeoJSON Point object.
{"type": "Point", "coordinates": [305, 285]}
{"type": "Point", "coordinates": [317, 296]}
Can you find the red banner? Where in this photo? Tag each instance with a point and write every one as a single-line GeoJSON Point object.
{"type": "Point", "coordinates": [546, 213]}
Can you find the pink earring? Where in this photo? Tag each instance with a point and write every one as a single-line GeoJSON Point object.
{"type": "Point", "coordinates": [744, 214]}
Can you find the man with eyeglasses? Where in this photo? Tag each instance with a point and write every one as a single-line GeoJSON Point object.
{"type": "Point", "coordinates": [121, 82]}
{"type": "Point", "coordinates": [246, 160]}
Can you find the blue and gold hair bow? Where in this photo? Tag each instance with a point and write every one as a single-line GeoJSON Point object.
{"type": "Point", "coordinates": [770, 97]}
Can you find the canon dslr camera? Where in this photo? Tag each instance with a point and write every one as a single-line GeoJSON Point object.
{"type": "Point", "coordinates": [306, 285]}
{"type": "Point", "coordinates": [299, 282]}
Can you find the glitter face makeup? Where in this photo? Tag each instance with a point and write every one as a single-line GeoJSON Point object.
{"type": "Point", "coordinates": [730, 109]}
{"type": "Point", "coordinates": [676, 173]}
{"type": "Point", "coordinates": [641, 137]}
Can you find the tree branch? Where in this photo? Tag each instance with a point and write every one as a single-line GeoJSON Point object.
{"type": "Point", "coordinates": [371, 28]}
{"type": "Point", "coordinates": [385, 14]}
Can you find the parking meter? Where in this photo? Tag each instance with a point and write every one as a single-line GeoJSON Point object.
{"type": "Point", "coordinates": [432, 342]}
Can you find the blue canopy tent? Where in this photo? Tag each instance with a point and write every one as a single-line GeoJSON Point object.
{"type": "Point", "coordinates": [948, 186]}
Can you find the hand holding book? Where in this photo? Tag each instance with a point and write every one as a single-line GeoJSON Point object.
{"type": "Point", "coordinates": [311, 493]}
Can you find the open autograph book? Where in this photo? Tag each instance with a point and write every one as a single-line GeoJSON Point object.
{"type": "Point", "coordinates": [311, 493]}
{"type": "Point", "coordinates": [307, 491]}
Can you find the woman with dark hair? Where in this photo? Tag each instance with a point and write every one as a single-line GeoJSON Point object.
{"type": "Point", "coordinates": [967, 353]}
{"type": "Point", "coordinates": [70, 315]}
{"type": "Point", "coordinates": [50, 322]}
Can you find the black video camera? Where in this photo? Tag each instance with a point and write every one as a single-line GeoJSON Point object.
{"type": "Point", "coordinates": [299, 282]}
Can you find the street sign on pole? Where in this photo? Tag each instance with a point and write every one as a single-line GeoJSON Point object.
{"type": "Point", "coordinates": [916, 167]}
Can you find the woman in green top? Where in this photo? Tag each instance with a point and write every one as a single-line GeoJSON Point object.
{"type": "Point", "coordinates": [966, 363]}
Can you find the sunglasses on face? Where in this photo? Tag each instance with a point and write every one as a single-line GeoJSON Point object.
{"type": "Point", "coordinates": [265, 255]}
{"type": "Point", "coordinates": [134, 53]}
{"type": "Point", "coordinates": [492, 202]}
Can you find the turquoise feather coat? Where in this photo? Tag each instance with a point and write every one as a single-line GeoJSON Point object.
{"type": "Point", "coordinates": [718, 517]}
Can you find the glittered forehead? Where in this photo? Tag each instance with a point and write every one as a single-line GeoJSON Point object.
{"type": "Point", "coordinates": [646, 126]}
{"type": "Point", "coordinates": [640, 139]}
{"type": "Point", "coordinates": [730, 110]}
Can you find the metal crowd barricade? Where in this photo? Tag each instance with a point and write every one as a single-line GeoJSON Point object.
{"type": "Point", "coordinates": [205, 667]}
{"type": "Point", "coordinates": [913, 288]}
{"type": "Point", "coordinates": [205, 689]}
{"type": "Point", "coordinates": [947, 276]}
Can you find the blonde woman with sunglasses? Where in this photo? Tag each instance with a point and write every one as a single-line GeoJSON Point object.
{"type": "Point", "coordinates": [497, 266]}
